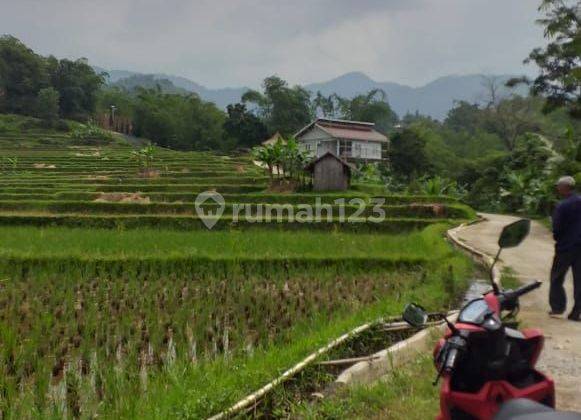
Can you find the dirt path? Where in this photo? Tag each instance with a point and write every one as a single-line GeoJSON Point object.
{"type": "Point", "coordinates": [561, 357]}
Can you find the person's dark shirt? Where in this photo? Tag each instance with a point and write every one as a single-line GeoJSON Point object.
{"type": "Point", "coordinates": [567, 223]}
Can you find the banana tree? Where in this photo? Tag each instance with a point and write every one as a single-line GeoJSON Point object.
{"type": "Point", "coordinates": [265, 155]}
{"type": "Point", "coordinates": [144, 157]}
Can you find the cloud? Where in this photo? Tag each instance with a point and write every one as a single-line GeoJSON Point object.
{"type": "Point", "coordinates": [235, 42]}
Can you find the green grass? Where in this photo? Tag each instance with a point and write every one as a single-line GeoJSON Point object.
{"type": "Point", "coordinates": [54, 242]}
{"type": "Point", "coordinates": [406, 393]}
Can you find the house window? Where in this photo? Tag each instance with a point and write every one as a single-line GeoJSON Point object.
{"type": "Point", "coordinates": [310, 147]}
{"type": "Point", "coordinates": [365, 150]}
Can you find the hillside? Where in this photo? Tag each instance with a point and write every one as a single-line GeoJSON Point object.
{"type": "Point", "coordinates": [433, 99]}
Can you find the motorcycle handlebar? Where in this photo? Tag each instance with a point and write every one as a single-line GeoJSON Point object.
{"type": "Point", "coordinates": [509, 299]}
{"type": "Point", "coordinates": [527, 288]}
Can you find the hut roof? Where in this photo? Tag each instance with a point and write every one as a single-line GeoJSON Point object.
{"type": "Point", "coordinates": [312, 164]}
{"type": "Point", "coordinates": [274, 139]}
{"type": "Point", "coordinates": [349, 130]}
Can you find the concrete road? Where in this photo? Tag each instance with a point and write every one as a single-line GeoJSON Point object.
{"type": "Point", "coordinates": [561, 356]}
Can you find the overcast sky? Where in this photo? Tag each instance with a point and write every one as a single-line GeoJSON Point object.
{"type": "Point", "coordinates": [239, 42]}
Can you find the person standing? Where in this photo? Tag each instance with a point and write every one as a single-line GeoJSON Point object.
{"type": "Point", "coordinates": [567, 235]}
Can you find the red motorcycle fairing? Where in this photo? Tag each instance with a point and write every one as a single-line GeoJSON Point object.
{"type": "Point", "coordinates": [492, 300]}
{"type": "Point", "coordinates": [484, 404]}
{"type": "Point", "coordinates": [533, 334]}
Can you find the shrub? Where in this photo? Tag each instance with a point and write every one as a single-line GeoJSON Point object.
{"type": "Point", "coordinates": [90, 134]}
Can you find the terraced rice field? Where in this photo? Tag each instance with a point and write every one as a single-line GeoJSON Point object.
{"type": "Point", "coordinates": [117, 301]}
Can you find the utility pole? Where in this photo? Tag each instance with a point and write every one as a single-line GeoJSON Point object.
{"type": "Point", "coordinates": [112, 119]}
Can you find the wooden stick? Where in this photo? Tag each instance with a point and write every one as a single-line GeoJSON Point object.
{"type": "Point", "coordinates": [405, 326]}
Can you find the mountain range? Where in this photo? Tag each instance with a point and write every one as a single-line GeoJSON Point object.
{"type": "Point", "coordinates": [434, 99]}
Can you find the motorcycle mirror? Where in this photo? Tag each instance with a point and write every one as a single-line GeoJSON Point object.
{"type": "Point", "coordinates": [415, 315]}
{"type": "Point", "coordinates": [513, 234]}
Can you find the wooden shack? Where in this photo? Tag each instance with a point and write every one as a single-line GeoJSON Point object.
{"type": "Point", "coordinates": [330, 173]}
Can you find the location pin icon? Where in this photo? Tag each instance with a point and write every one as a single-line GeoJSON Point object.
{"type": "Point", "coordinates": [209, 215]}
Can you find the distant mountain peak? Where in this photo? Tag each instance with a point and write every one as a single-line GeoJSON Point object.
{"type": "Point", "coordinates": [434, 99]}
{"type": "Point", "coordinates": [354, 75]}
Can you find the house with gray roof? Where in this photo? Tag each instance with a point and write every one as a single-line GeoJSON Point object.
{"type": "Point", "coordinates": [354, 141]}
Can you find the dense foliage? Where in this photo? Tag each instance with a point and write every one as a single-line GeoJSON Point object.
{"type": "Point", "coordinates": [371, 107]}
{"type": "Point", "coordinates": [560, 60]}
{"type": "Point", "coordinates": [282, 108]}
{"type": "Point", "coordinates": [33, 85]}
{"type": "Point", "coordinates": [504, 157]}
{"type": "Point", "coordinates": [176, 121]}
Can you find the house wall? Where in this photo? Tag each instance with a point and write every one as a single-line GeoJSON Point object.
{"type": "Point", "coordinates": [314, 133]}
{"type": "Point", "coordinates": [311, 142]}
{"type": "Point", "coordinates": [327, 146]}
{"type": "Point", "coordinates": [330, 175]}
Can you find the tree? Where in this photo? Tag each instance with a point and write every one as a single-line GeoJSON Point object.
{"type": "Point", "coordinates": [493, 87]}
{"type": "Point", "coordinates": [530, 152]}
{"type": "Point", "coordinates": [115, 96]}
{"type": "Point", "coordinates": [512, 118]}
{"type": "Point", "coordinates": [408, 155]}
{"type": "Point", "coordinates": [47, 106]}
{"type": "Point", "coordinates": [265, 155]}
{"type": "Point", "coordinates": [144, 158]}
{"type": "Point", "coordinates": [287, 157]}
{"type": "Point", "coordinates": [370, 107]}
{"type": "Point", "coordinates": [560, 60]}
{"type": "Point", "coordinates": [22, 75]}
{"type": "Point", "coordinates": [78, 86]}
{"type": "Point", "coordinates": [282, 108]}
{"type": "Point", "coordinates": [243, 127]}
{"type": "Point", "coordinates": [324, 105]}
{"type": "Point", "coordinates": [464, 116]}
{"type": "Point", "coordinates": [148, 81]}
{"type": "Point", "coordinates": [177, 121]}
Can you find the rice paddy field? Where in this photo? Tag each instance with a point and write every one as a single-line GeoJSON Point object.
{"type": "Point", "coordinates": [117, 302]}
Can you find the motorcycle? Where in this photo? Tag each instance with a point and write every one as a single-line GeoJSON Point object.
{"type": "Point", "coordinates": [483, 361]}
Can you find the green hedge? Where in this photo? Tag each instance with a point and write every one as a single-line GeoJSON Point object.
{"type": "Point", "coordinates": [121, 180]}
{"type": "Point", "coordinates": [122, 188]}
{"type": "Point", "coordinates": [87, 207]}
{"type": "Point", "coordinates": [393, 225]}
{"type": "Point", "coordinates": [196, 268]}
{"type": "Point", "coordinates": [407, 199]}
{"type": "Point", "coordinates": [49, 175]}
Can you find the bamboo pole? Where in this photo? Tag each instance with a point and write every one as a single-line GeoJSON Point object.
{"type": "Point", "coordinates": [254, 397]}
{"type": "Point", "coordinates": [350, 361]}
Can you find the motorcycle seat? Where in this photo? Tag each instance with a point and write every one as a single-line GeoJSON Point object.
{"type": "Point", "coordinates": [524, 409]}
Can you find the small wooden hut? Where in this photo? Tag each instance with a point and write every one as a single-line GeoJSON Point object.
{"type": "Point", "coordinates": [330, 173]}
